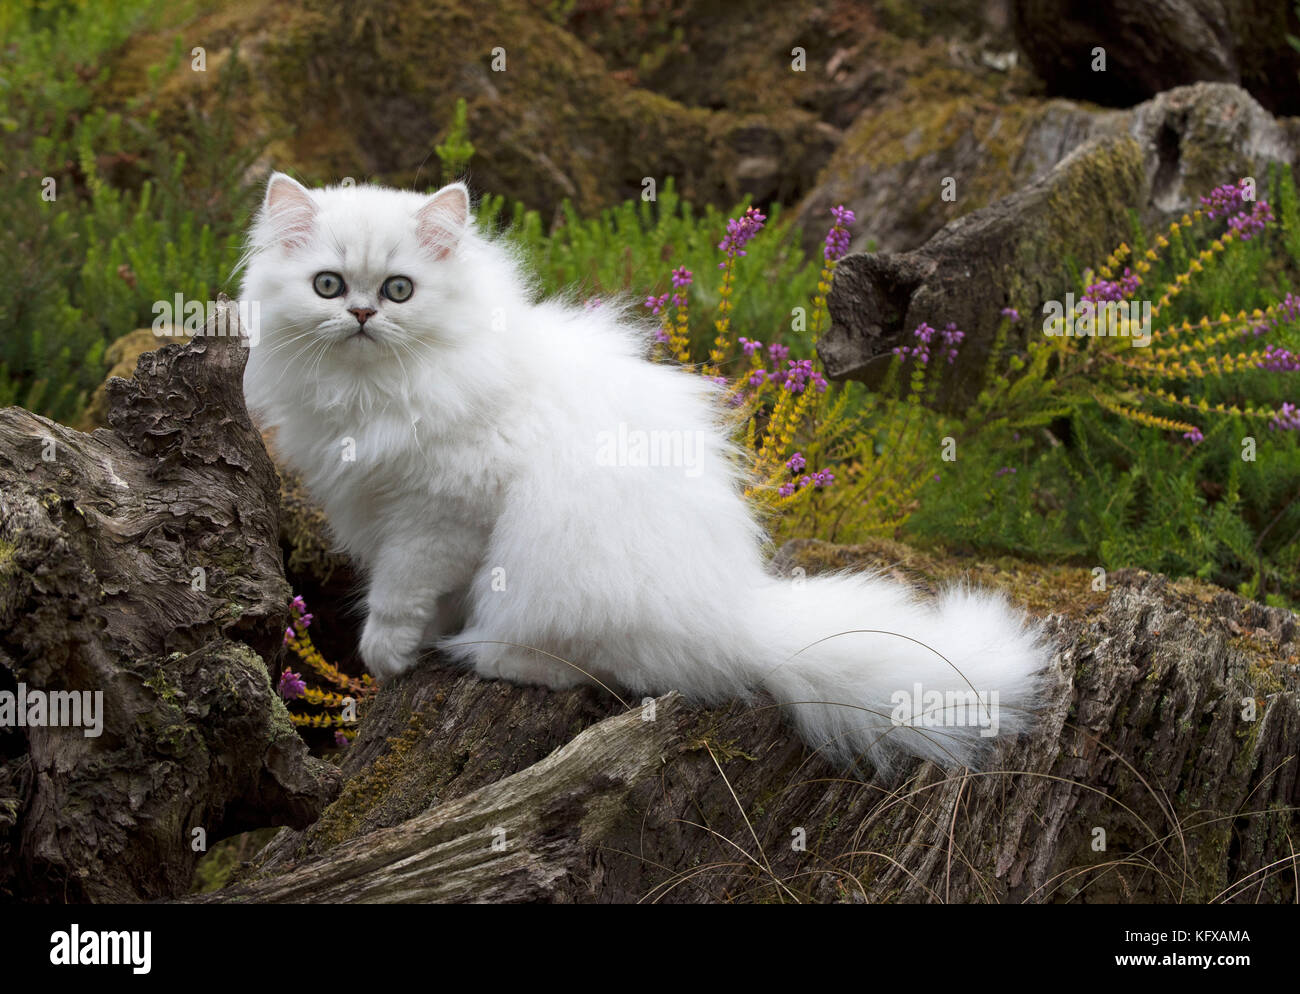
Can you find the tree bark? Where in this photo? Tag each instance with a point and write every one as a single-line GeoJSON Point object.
{"type": "Point", "coordinates": [142, 563]}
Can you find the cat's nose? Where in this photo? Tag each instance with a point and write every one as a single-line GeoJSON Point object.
{"type": "Point", "coordinates": [361, 314]}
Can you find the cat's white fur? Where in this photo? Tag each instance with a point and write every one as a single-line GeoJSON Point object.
{"type": "Point", "coordinates": [466, 456]}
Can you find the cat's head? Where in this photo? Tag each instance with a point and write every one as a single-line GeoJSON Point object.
{"type": "Point", "coordinates": [355, 277]}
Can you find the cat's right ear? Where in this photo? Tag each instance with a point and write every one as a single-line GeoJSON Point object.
{"type": "Point", "coordinates": [440, 223]}
{"type": "Point", "coordinates": [290, 210]}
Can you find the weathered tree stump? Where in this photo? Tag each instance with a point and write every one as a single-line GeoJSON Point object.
{"type": "Point", "coordinates": [141, 563]}
{"type": "Point", "coordinates": [460, 790]}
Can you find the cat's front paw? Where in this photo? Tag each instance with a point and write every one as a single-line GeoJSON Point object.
{"type": "Point", "coordinates": [389, 649]}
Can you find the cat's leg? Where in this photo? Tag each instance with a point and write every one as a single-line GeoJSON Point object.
{"type": "Point", "coordinates": [408, 580]}
{"type": "Point", "coordinates": [511, 631]}
{"type": "Point", "coordinates": [448, 616]}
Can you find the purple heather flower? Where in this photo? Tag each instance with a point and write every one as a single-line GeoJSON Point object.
{"type": "Point", "coordinates": [291, 685]}
{"type": "Point", "coordinates": [838, 238]}
{"type": "Point", "coordinates": [740, 232]}
{"type": "Point", "coordinates": [1224, 200]}
{"type": "Point", "coordinates": [341, 740]}
{"type": "Point", "coordinates": [843, 216]}
{"type": "Point", "coordinates": [799, 374]}
{"type": "Point", "coordinates": [1113, 290]}
{"type": "Point", "coordinates": [758, 377]}
{"type": "Point", "coordinates": [298, 604]}
{"type": "Point", "coordinates": [750, 345]}
{"type": "Point", "coordinates": [1012, 313]}
{"type": "Point", "coordinates": [778, 353]}
{"type": "Point", "coordinates": [1288, 309]}
{"type": "Point", "coordinates": [656, 304]}
{"type": "Point", "coordinates": [1005, 470]}
{"type": "Point", "coordinates": [1287, 418]}
{"type": "Point", "coordinates": [947, 340]}
{"type": "Point", "coordinates": [289, 635]}
{"type": "Point", "coordinates": [821, 478]}
{"type": "Point", "coordinates": [592, 303]}
{"type": "Point", "coordinates": [1279, 360]}
{"type": "Point", "coordinates": [661, 336]}
{"type": "Point", "coordinates": [1247, 226]}
{"type": "Point", "coordinates": [682, 277]}
{"type": "Point", "coordinates": [1245, 217]}
{"type": "Point", "coordinates": [1194, 436]}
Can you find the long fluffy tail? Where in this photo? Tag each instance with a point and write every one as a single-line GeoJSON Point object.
{"type": "Point", "coordinates": [870, 671]}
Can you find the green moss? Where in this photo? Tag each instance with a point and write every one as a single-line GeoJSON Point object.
{"type": "Point", "coordinates": [305, 531]}
{"type": "Point", "coordinates": [7, 558]}
{"type": "Point", "coordinates": [1037, 587]}
{"type": "Point", "coordinates": [160, 685]}
{"type": "Point", "coordinates": [393, 778]}
{"type": "Point", "coordinates": [1088, 207]}
{"type": "Point", "coordinates": [1263, 678]}
{"type": "Point", "coordinates": [942, 108]}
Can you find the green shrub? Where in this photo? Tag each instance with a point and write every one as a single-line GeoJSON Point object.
{"type": "Point", "coordinates": [105, 212]}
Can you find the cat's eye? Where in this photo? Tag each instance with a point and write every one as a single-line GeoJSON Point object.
{"type": "Point", "coordinates": [328, 284]}
{"type": "Point", "coordinates": [398, 288]}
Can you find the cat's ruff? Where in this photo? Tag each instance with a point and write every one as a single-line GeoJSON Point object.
{"type": "Point", "coordinates": [474, 446]}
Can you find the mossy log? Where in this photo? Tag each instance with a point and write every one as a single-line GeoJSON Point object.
{"type": "Point", "coordinates": [1166, 770]}
{"type": "Point", "coordinates": [1009, 254]}
{"type": "Point", "coordinates": [1155, 160]}
{"type": "Point", "coordinates": [141, 562]}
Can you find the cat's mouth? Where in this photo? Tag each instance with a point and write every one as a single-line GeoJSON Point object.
{"type": "Point", "coordinates": [362, 333]}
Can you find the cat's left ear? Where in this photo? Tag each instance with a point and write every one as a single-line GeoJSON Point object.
{"type": "Point", "coordinates": [441, 222]}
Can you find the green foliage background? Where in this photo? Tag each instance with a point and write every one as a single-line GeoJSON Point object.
{"type": "Point", "coordinates": [143, 212]}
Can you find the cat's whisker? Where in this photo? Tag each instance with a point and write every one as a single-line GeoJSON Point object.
{"type": "Point", "coordinates": [311, 339]}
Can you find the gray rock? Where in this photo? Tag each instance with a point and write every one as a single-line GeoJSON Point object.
{"type": "Point", "coordinates": [1152, 45]}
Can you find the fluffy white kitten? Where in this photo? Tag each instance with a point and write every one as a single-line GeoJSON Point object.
{"type": "Point", "coordinates": [476, 452]}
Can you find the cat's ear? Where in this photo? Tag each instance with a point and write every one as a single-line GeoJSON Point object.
{"type": "Point", "coordinates": [290, 209]}
{"type": "Point", "coordinates": [440, 223]}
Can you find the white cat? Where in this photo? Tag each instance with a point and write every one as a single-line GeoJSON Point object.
{"type": "Point", "coordinates": [523, 468]}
